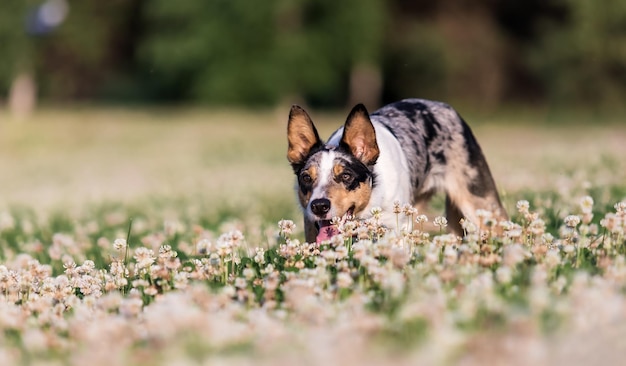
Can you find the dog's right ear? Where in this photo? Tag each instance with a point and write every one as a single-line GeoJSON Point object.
{"type": "Point", "coordinates": [301, 134]}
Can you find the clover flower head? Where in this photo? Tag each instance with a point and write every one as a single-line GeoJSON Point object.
{"type": "Point", "coordinates": [572, 221]}
{"type": "Point", "coordinates": [523, 206]}
{"type": "Point", "coordinates": [119, 244]}
{"type": "Point", "coordinates": [440, 221]}
{"type": "Point", "coordinates": [421, 219]}
{"type": "Point", "coordinates": [376, 212]}
{"type": "Point", "coordinates": [144, 257]}
{"type": "Point", "coordinates": [286, 227]}
{"type": "Point", "coordinates": [396, 207]}
{"type": "Point", "coordinates": [537, 227]}
{"type": "Point", "coordinates": [586, 204]}
{"type": "Point", "coordinates": [468, 226]}
{"type": "Point", "coordinates": [547, 239]}
{"type": "Point", "coordinates": [204, 246]}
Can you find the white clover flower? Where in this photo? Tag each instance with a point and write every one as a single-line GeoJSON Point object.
{"type": "Point", "coordinates": [522, 207]}
{"type": "Point", "coordinates": [537, 227]}
{"type": "Point", "coordinates": [572, 221]}
{"type": "Point", "coordinates": [248, 273]}
{"type": "Point", "coordinates": [87, 267]}
{"type": "Point", "coordinates": [117, 269]}
{"type": "Point", "coordinates": [440, 221]}
{"type": "Point", "coordinates": [166, 252]}
{"type": "Point", "coordinates": [119, 244]}
{"type": "Point", "coordinates": [547, 239]}
{"type": "Point", "coordinates": [144, 257]}
{"type": "Point", "coordinates": [468, 226]}
{"type": "Point", "coordinates": [396, 207]}
{"type": "Point", "coordinates": [408, 210]}
{"type": "Point", "coordinates": [586, 204]}
{"type": "Point", "coordinates": [569, 248]}
{"type": "Point", "coordinates": [376, 212]}
{"type": "Point", "coordinates": [612, 222]}
{"type": "Point", "coordinates": [204, 246]}
{"type": "Point", "coordinates": [229, 241]}
{"type": "Point", "coordinates": [421, 219]}
{"type": "Point", "coordinates": [514, 231]}
{"type": "Point", "coordinates": [286, 227]}
{"type": "Point", "coordinates": [241, 282]}
{"type": "Point", "coordinates": [341, 251]}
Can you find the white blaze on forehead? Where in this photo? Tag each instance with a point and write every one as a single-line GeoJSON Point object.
{"type": "Point", "coordinates": [324, 174]}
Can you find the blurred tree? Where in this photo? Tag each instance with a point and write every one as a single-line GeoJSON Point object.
{"type": "Point", "coordinates": [583, 58]}
{"type": "Point", "coordinates": [332, 50]}
{"type": "Point", "coordinates": [322, 52]}
{"type": "Point", "coordinates": [218, 51]}
{"type": "Point", "coordinates": [235, 51]}
{"type": "Point", "coordinates": [89, 50]}
{"type": "Point", "coordinates": [17, 67]}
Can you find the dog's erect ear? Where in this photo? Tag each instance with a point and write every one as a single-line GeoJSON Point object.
{"type": "Point", "coordinates": [359, 135]}
{"type": "Point", "coordinates": [301, 134]}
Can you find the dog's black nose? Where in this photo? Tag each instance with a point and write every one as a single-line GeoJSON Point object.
{"type": "Point", "coordinates": [320, 206]}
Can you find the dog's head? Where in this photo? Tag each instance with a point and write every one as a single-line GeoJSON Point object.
{"type": "Point", "coordinates": [333, 181]}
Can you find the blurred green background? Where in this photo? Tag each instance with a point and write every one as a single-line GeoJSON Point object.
{"type": "Point", "coordinates": [326, 53]}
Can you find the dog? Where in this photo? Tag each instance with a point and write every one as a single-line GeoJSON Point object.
{"type": "Point", "coordinates": [404, 152]}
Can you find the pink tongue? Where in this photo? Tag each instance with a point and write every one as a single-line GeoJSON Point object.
{"type": "Point", "coordinates": [327, 231]}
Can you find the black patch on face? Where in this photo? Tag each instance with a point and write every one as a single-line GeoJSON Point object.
{"type": "Point", "coordinates": [359, 172]}
{"type": "Point", "coordinates": [305, 187]}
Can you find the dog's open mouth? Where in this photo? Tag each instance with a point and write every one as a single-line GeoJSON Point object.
{"type": "Point", "coordinates": [327, 229]}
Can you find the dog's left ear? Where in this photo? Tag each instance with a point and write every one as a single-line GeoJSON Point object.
{"type": "Point", "coordinates": [359, 135]}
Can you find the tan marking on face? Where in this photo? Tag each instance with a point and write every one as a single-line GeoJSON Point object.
{"type": "Point", "coordinates": [343, 199]}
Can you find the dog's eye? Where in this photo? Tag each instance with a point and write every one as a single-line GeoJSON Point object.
{"type": "Point", "coordinates": [306, 179]}
{"type": "Point", "coordinates": [347, 178]}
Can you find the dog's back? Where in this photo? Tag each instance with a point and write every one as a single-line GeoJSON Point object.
{"type": "Point", "coordinates": [441, 152]}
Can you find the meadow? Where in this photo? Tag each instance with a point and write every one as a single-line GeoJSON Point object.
{"type": "Point", "coordinates": [172, 236]}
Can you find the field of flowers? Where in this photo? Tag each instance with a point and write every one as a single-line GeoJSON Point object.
{"type": "Point", "coordinates": [173, 238]}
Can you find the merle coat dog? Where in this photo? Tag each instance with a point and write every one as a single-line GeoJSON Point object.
{"type": "Point", "coordinates": [405, 151]}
